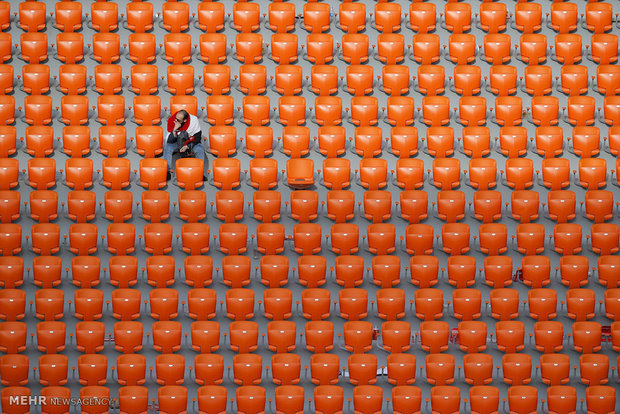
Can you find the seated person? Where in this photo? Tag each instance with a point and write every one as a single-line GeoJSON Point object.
{"type": "Point", "coordinates": [184, 137]}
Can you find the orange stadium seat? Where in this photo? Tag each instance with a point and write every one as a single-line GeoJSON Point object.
{"type": "Point", "coordinates": [527, 17]}
{"type": "Point", "coordinates": [142, 48]}
{"type": "Point", "coordinates": [32, 16]}
{"type": "Point", "coordinates": [532, 49]}
{"type": "Point", "coordinates": [175, 17]}
{"type": "Point", "coordinates": [213, 47]}
{"type": "Point", "coordinates": [563, 17]}
{"type": "Point", "coordinates": [319, 48]}
{"type": "Point", "coordinates": [177, 48]}
{"type": "Point", "coordinates": [72, 79]}
{"type": "Point", "coordinates": [561, 398]}
{"type": "Point", "coordinates": [598, 17]}
{"type": "Point", "coordinates": [106, 47]}
{"type": "Point", "coordinates": [281, 17]}
{"type": "Point", "coordinates": [422, 17]}
{"type": "Point", "coordinates": [568, 49]}
{"type": "Point", "coordinates": [139, 17]}
{"type": "Point", "coordinates": [457, 17]}
{"type": "Point", "coordinates": [70, 48]}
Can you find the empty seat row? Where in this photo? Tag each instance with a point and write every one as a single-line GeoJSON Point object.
{"type": "Point", "coordinates": [284, 48]}
{"type": "Point", "coordinates": [252, 79]}
{"type": "Point", "coordinates": [348, 272]}
{"type": "Point", "coordinates": [396, 80]}
{"type": "Point", "coordinates": [339, 206]}
{"type": "Point", "coordinates": [77, 142]}
{"type": "Point", "coordinates": [366, 399]}
{"type": "Point", "coordinates": [586, 337]}
{"type": "Point", "coordinates": [285, 369]}
{"type": "Point", "coordinates": [316, 304]}
{"type": "Point", "coordinates": [431, 79]}
{"type": "Point", "coordinates": [307, 239]}
{"type": "Point", "coordinates": [376, 206]}
{"type": "Point", "coordinates": [300, 173]}
{"type": "Point", "coordinates": [317, 17]}
{"type": "Point", "coordinates": [68, 17]}
{"type": "Point", "coordinates": [404, 141]}
{"type": "Point", "coordinates": [74, 110]}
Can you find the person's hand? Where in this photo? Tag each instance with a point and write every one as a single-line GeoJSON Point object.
{"type": "Point", "coordinates": [177, 125]}
{"type": "Point", "coordinates": [183, 148]}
